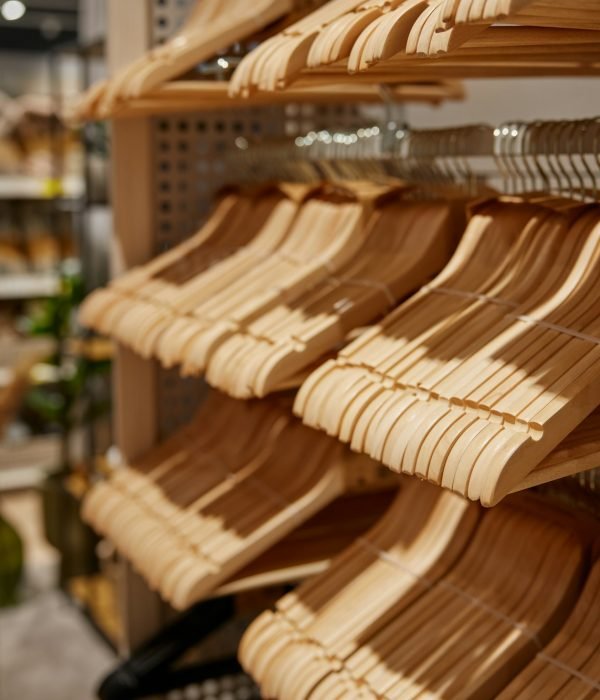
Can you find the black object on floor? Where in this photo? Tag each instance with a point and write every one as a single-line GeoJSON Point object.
{"type": "Point", "coordinates": [149, 670]}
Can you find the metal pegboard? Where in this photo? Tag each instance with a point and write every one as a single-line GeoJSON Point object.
{"type": "Point", "coordinates": [167, 17]}
{"type": "Point", "coordinates": [189, 169]}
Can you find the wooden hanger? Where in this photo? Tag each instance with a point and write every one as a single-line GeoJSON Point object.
{"type": "Point", "coordinates": [534, 607]}
{"type": "Point", "coordinates": [324, 237]}
{"type": "Point", "coordinates": [211, 27]}
{"type": "Point", "coordinates": [165, 544]}
{"type": "Point", "coordinates": [408, 243]}
{"type": "Point", "coordinates": [222, 222]}
{"type": "Point", "coordinates": [328, 617]}
{"type": "Point", "coordinates": [415, 419]}
{"type": "Point", "coordinates": [310, 549]}
{"type": "Point", "coordinates": [577, 453]}
{"type": "Point", "coordinates": [150, 479]}
{"type": "Point", "coordinates": [469, 269]}
{"type": "Point", "coordinates": [568, 666]}
{"type": "Point", "coordinates": [197, 509]}
{"type": "Point", "coordinates": [286, 51]}
{"type": "Point", "coordinates": [293, 248]}
{"type": "Point", "coordinates": [468, 632]}
{"type": "Point", "coordinates": [241, 230]}
{"type": "Point", "coordinates": [265, 228]}
{"type": "Point", "coordinates": [388, 40]}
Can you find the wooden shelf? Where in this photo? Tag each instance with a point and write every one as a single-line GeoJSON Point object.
{"type": "Point", "coordinates": [202, 95]}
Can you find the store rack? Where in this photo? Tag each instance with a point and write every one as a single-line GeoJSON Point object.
{"type": "Point", "coordinates": [165, 171]}
{"type": "Point", "coordinates": [156, 204]}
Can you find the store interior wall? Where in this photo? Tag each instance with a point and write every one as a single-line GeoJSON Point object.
{"type": "Point", "coordinates": [497, 101]}
{"type": "Point", "coordinates": [29, 73]}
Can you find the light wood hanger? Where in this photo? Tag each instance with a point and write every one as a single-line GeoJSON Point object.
{"type": "Point", "coordinates": [324, 237]}
{"type": "Point", "coordinates": [309, 550]}
{"type": "Point", "coordinates": [150, 479]}
{"type": "Point", "coordinates": [470, 268]}
{"type": "Point", "coordinates": [284, 341]}
{"type": "Point", "coordinates": [174, 544]}
{"type": "Point", "coordinates": [201, 506]}
{"type": "Point", "coordinates": [434, 647]}
{"type": "Point", "coordinates": [288, 51]}
{"type": "Point", "coordinates": [568, 666]}
{"type": "Point", "coordinates": [404, 422]}
{"type": "Point", "coordinates": [424, 529]}
{"type": "Point", "coordinates": [460, 671]}
{"type": "Point", "coordinates": [211, 27]}
{"type": "Point", "coordinates": [240, 230]}
{"type": "Point", "coordinates": [264, 230]}
{"type": "Point", "coordinates": [293, 248]}
{"type": "Point", "coordinates": [388, 40]}
{"type": "Point", "coordinates": [577, 453]}
{"type": "Point", "coordinates": [223, 222]}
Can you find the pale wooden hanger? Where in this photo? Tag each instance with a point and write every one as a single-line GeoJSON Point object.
{"type": "Point", "coordinates": [323, 237]}
{"type": "Point", "coordinates": [227, 244]}
{"type": "Point", "coordinates": [310, 549]}
{"type": "Point", "coordinates": [162, 544]}
{"type": "Point", "coordinates": [480, 610]}
{"type": "Point", "coordinates": [287, 51]}
{"type": "Point", "coordinates": [399, 436]}
{"type": "Point", "coordinates": [168, 320]}
{"type": "Point", "coordinates": [211, 27]}
{"type": "Point", "coordinates": [577, 453]}
{"type": "Point", "coordinates": [388, 40]}
{"type": "Point", "coordinates": [263, 230]}
{"type": "Point", "coordinates": [469, 269]}
{"type": "Point", "coordinates": [568, 666]}
{"type": "Point", "coordinates": [314, 622]}
{"type": "Point", "coordinates": [292, 336]}
{"type": "Point", "coordinates": [300, 494]}
{"type": "Point", "coordinates": [534, 345]}
{"type": "Point", "coordinates": [97, 303]}
{"type": "Point", "coordinates": [199, 441]}
{"type": "Point", "coordinates": [201, 506]}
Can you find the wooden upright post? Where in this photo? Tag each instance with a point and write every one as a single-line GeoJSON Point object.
{"type": "Point", "coordinates": [135, 379]}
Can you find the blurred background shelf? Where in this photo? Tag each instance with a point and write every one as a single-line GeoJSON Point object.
{"type": "Point", "coordinates": [25, 465]}
{"type": "Point", "coordinates": [29, 285]}
{"type": "Point", "coordinates": [28, 187]}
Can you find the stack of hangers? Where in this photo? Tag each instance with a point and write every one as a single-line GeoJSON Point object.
{"type": "Point", "coordinates": [212, 26]}
{"type": "Point", "coordinates": [309, 549]}
{"type": "Point", "coordinates": [220, 492]}
{"type": "Point", "coordinates": [568, 666]}
{"type": "Point", "coordinates": [396, 40]}
{"type": "Point", "coordinates": [276, 279]}
{"type": "Point", "coordinates": [436, 601]}
{"type": "Point", "coordinates": [475, 380]}
{"type": "Point", "coordinates": [471, 384]}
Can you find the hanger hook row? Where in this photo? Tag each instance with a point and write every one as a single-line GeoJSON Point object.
{"type": "Point", "coordinates": [556, 156]}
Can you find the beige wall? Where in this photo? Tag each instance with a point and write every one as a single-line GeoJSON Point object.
{"type": "Point", "coordinates": [495, 101]}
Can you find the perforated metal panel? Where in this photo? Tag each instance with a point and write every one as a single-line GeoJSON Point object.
{"type": "Point", "coordinates": [167, 17]}
{"type": "Point", "coordinates": [189, 164]}
{"type": "Point", "coordinates": [189, 169]}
